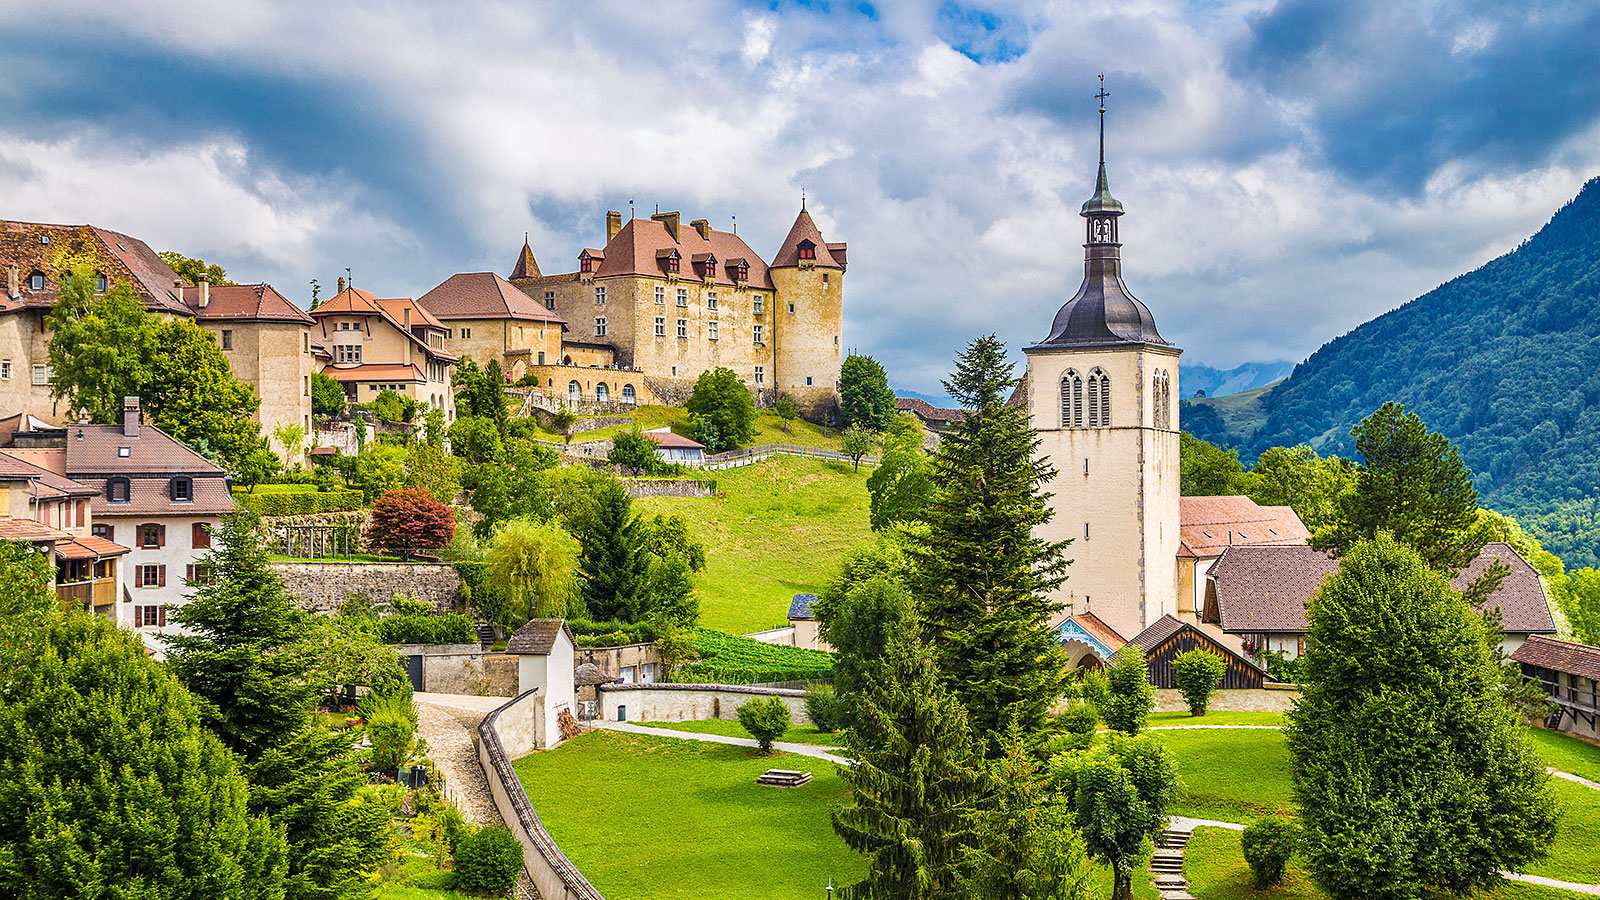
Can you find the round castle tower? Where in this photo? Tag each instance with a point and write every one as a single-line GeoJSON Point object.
{"type": "Point", "coordinates": [806, 320]}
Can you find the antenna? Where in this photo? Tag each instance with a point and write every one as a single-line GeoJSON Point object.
{"type": "Point", "coordinates": [735, 224]}
{"type": "Point", "coordinates": [349, 279]}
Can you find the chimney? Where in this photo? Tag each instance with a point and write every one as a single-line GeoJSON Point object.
{"type": "Point", "coordinates": [205, 290]}
{"type": "Point", "coordinates": [130, 417]}
{"type": "Point", "coordinates": [13, 283]}
{"type": "Point", "coordinates": [613, 224]}
{"type": "Point", "coordinates": [341, 285]}
{"type": "Point", "coordinates": [407, 314]}
{"type": "Point", "coordinates": [702, 226]}
{"type": "Point", "coordinates": [670, 220]}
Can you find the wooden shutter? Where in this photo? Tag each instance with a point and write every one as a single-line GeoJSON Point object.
{"type": "Point", "coordinates": [161, 576]}
{"type": "Point", "coordinates": [202, 536]}
{"type": "Point", "coordinates": [161, 535]}
{"type": "Point", "coordinates": [138, 616]}
{"type": "Point", "coordinates": [188, 572]}
{"type": "Point", "coordinates": [161, 616]}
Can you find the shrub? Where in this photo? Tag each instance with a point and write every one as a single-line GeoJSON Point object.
{"type": "Point", "coordinates": [327, 395]}
{"type": "Point", "coordinates": [300, 503]}
{"type": "Point", "coordinates": [411, 628]}
{"type": "Point", "coordinates": [488, 861]}
{"type": "Point", "coordinates": [1198, 673]}
{"type": "Point", "coordinates": [786, 408]}
{"type": "Point", "coordinates": [1280, 667]}
{"type": "Point", "coordinates": [410, 517]}
{"type": "Point", "coordinates": [1080, 719]}
{"type": "Point", "coordinates": [825, 708]}
{"type": "Point", "coordinates": [1268, 844]}
{"type": "Point", "coordinates": [1130, 697]}
{"type": "Point", "coordinates": [766, 718]}
{"type": "Point", "coordinates": [1096, 689]}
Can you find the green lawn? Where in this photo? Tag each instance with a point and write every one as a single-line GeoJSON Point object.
{"type": "Point", "coordinates": [1230, 775]}
{"type": "Point", "coordinates": [1567, 753]}
{"type": "Point", "coordinates": [775, 529]}
{"type": "Point", "coordinates": [1215, 717]}
{"type": "Point", "coordinates": [1216, 870]}
{"type": "Point", "coordinates": [797, 734]}
{"type": "Point", "coordinates": [1575, 855]}
{"type": "Point", "coordinates": [770, 428]}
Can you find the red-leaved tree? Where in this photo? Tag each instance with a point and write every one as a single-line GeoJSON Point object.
{"type": "Point", "coordinates": [410, 518]}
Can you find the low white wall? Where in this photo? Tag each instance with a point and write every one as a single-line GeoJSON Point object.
{"type": "Point", "coordinates": [782, 636]}
{"type": "Point", "coordinates": [504, 735]}
{"type": "Point", "coordinates": [690, 702]}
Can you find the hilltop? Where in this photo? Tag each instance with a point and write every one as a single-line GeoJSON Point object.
{"type": "Point", "coordinates": [1502, 360]}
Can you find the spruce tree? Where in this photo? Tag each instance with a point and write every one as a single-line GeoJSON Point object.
{"type": "Point", "coordinates": [981, 577]}
{"type": "Point", "coordinates": [611, 566]}
{"type": "Point", "coordinates": [1410, 764]}
{"type": "Point", "coordinates": [916, 780]}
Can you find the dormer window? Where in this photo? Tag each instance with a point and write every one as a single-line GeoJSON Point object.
{"type": "Point", "coordinates": [116, 490]}
{"type": "Point", "coordinates": [589, 260]}
{"type": "Point", "coordinates": [671, 260]}
{"type": "Point", "coordinates": [36, 281]}
{"type": "Point", "coordinates": [99, 283]}
{"type": "Point", "coordinates": [182, 489]}
{"type": "Point", "coordinates": [808, 250]}
{"type": "Point", "coordinates": [124, 452]}
{"type": "Point", "coordinates": [585, 264]}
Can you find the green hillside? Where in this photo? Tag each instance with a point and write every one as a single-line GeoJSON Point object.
{"type": "Point", "coordinates": [1501, 360]}
{"type": "Point", "coordinates": [1216, 418]}
{"type": "Point", "coordinates": [776, 528]}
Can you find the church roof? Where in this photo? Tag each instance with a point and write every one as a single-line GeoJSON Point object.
{"type": "Point", "coordinates": [1103, 312]}
{"type": "Point", "coordinates": [1209, 525]}
{"type": "Point", "coordinates": [828, 256]}
{"type": "Point", "coordinates": [483, 295]}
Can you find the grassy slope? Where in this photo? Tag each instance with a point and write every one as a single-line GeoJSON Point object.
{"type": "Point", "coordinates": [1243, 412]}
{"type": "Point", "coordinates": [797, 734]}
{"type": "Point", "coordinates": [1567, 753]}
{"type": "Point", "coordinates": [770, 428]}
{"type": "Point", "coordinates": [776, 528]}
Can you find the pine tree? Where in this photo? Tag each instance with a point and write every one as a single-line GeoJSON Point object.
{"type": "Point", "coordinates": [981, 577]}
{"type": "Point", "coordinates": [240, 659]}
{"type": "Point", "coordinates": [915, 783]}
{"type": "Point", "coordinates": [611, 567]}
{"type": "Point", "coordinates": [1410, 764]}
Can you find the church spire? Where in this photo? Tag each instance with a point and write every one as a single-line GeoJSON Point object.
{"type": "Point", "coordinates": [1102, 201]}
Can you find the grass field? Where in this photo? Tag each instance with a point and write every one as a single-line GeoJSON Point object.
{"type": "Point", "coordinates": [797, 734]}
{"type": "Point", "coordinates": [1567, 753]}
{"type": "Point", "coordinates": [770, 428]}
{"type": "Point", "coordinates": [1243, 413]}
{"type": "Point", "coordinates": [775, 529]}
{"type": "Point", "coordinates": [1215, 717]}
{"type": "Point", "coordinates": [1230, 775]}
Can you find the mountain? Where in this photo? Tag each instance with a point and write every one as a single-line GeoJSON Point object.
{"type": "Point", "coordinates": [939, 400]}
{"type": "Point", "coordinates": [1247, 377]}
{"type": "Point", "coordinates": [1504, 360]}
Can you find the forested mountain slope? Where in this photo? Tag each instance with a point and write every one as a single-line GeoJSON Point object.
{"type": "Point", "coordinates": [1504, 360]}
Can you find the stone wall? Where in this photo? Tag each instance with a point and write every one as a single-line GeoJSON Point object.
{"type": "Point", "coordinates": [321, 586]}
{"type": "Point", "coordinates": [464, 669]}
{"type": "Point", "coordinates": [1243, 700]}
{"type": "Point", "coordinates": [691, 702]}
{"type": "Point", "coordinates": [668, 487]}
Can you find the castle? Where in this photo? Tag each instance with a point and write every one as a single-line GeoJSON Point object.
{"type": "Point", "coordinates": [660, 303]}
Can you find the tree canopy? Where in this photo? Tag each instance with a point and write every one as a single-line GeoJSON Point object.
{"type": "Point", "coordinates": [724, 401]}
{"type": "Point", "coordinates": [190, 269]}
{"type": "Point", "coordinates": [864, 395]}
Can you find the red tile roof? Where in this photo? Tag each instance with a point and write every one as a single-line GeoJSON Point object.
{"type": "Point", "coordinates": [150, 496]}
{"type": "Point", "coordinates": [356, 302]}
{"type": "Point", "coordinates": [927, 412]}
{"type": "Point", "coordinates": [483, 295]}
{"type": "Point", "coordinates": [1559, 656]}
{"type": "Point", "coordinates": [1208, 525]}
{"type": "Point", "coordinates": [538, 637]}
{"type": "Point", "coordinates": [95, 450]}
{"type": "Point", "coordinates": [829, 256]}
{"type": "Point", "coordinates": [1264, 588]}
{"type": "Point", "coordinates": [30, 531]}
{"type": "Point", "coordinates": [120, 258]}
{"type": "Point", "coordinates": [376, 372]}
{"type": "Point", "coordinates": [527, 266]}
{"type": "Point", "coordinates": [634, 252]}
{"type": "Point", "coordinates": [89, 548]}
{"type": "Point", "coordinates": [13, 464]}
{"type": "Point", "coordinates": [1102, 632]}
{"type": "Point", "coordinates": [244, 302]}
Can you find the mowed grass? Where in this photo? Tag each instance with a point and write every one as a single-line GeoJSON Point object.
{"type": "Point", "coordinates": [1215, 717]}
{"type": "Point", "coordinates": [1575, 853]}
{"type": "Point", "coordinates": [1567, 753]}
{"type": "Point", "coordinates": [1230, 775]}
{"type": "Point", "coordinates": [776, 528]}
{"type": "Point", "coordinates": [1215, 867]}
{"type": "Point", "coordinates": [770, 428]}
{"type": "Point", "coordinates": [797, 734]}
{"type": "Point", "coordinates": [644, 816]}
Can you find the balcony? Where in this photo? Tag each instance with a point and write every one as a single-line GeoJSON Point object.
{"type": "Point", "coordinates": [98, 593]}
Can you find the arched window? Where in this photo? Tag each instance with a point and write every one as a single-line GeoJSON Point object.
{"type": "Point", "coordinates": [602, 393]}
{"type": "Point", "coordinates": [627, 393]}
{"type": "Point", "coordinates": [574, 391]}
{"type": "Point", "coordinates": [1071, 400]}
{"type": "Point", "coordinates": [1099, 398]}
{"type": "Point", "coordinates": [1161, 397]}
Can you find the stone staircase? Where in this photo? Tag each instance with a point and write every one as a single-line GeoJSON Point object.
{"type": "Point", "coordinates": [1166, 864]}
{"type": "Point", "coordinates": [486, 635]}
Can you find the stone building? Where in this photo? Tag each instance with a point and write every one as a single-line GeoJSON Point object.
{"type": "Point", "coordinates": [369, 345]}
{"type": "Point", "coordinates": [660, 303]}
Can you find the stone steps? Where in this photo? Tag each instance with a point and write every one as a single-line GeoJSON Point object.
{"type": "Point", "coordinates": [1166, 863]}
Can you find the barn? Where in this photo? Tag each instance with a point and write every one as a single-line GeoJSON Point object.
{"type": "Point", "coordinates": [1168, 637]}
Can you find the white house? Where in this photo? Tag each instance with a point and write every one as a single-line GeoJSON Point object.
{"type": "Point", "coordinates": [546, 648]}
{"type": "Point", "coordinates": [675, 448]}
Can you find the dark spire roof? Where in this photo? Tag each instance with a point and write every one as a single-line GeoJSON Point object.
{"type": "Point", "coordinates": [1103, 311]}
{"type": "Point", "coordinates": [527, 266]}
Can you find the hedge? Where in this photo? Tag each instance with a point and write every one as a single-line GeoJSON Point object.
{"type": "Point", "coordinates": [300, 504]}
{"type": "Point", "coordinates": [611, 633]}
{"type": "Point", "coordinates": [409, 628]}
{"type": "Point", "coordinates": [727, 659]}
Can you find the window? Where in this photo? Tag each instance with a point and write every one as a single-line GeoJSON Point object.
{"type": "Point", "coordinates": [201, 536]}
{"type": "Point", "coordinates": [1071, 400]}
{"type": "Point", "coordinates": [150, 536]}
{"type": "Point", "coordinates": [574, 391]}
{"type": "Point", "coordinates": [41, 374]}
{"type": "Point", "coordinates": [105, 532]}
{"type": "Point", "coordinates": [683, 328]}
{"type": "Point", "coordinates": [343, 326]}
{"type": "Point", "coordinates": [808, 381]}
{"type": "Point", "coordinates": [1161, 398]}
{"type": "Point", "coordinates": [824, 280]}
{"type": "Point", "coordinates": [99, 283]}
{"type": "Point", "coordinates": [347, 353]}
{"type": "Point", "coordinates": [36, 281]}
{"type": "Point", "coordinates": [1086, 531]}
{"type": "Point", "coordinates": [117, 490]}
{"type": "Point", "coordinates": [5, 370]}
{"type": "Point", "coordinates": [711, 330]}
{"type": "Point", "coordinates": [791, 309]}
{"type": "Point", "coordinates": [807, 249]}
{"type": "Point", "coordinates": [661, 326]}
{"type": "Point", "coordinates": [196, 574]}
{"type": "Point", "coordinates": [627, 393]}
{"type": "Point", "coordinates": [1099, 399]}
{"type": "Point", "coordinates": [599, 296]}
{"type": "Point", "coordinates": [627, 674]}
{"type": "Point", "coordinates": [647, 673]}
{"type": "Point", "coordinates": [585, 262]}
{"type": "Point", "coordinates": [755, 304]}
{"type": "Point", "coordinates": [182, 489]}
{"type": "Point", "coordinates": [602, 392]}
{"type": "Point", "coordinates": [599, 326]}
{"type": "Point", "coordinates": [661, 295]}
{"type": "Point", "coordinates": [550, 299]}
{"type": "Point", "coordinates": [152, 616]}
{"type": "Point", "coordinates": [147, 576]}
{"type": "Point", "coordinates": [683, 297]}
{"type": "Point", "coordinates": [761, 374]}
{"type": "Point", "coordinates": [124, 452]}
{"type": "Point", "coordinates": [755, 334]}
{"type": "Point", "coordinates": [466, 332]}
{"type": "Point", "coordinates": [227, 339]}
{"type": "Point", "coordinates": [541, 357]}
{"type": "Point", "coordinates": [711, 299]}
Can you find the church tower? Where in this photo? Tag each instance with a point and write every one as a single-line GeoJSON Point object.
{"type": "Point", "coordinates": [1102, 389]}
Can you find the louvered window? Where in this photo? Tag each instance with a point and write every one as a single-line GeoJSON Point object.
{"type": "Point", "coordinates": [1099, 399]}
{"type": "Point", "coordinates": [1071, 400]}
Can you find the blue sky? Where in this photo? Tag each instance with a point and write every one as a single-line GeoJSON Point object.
{"type": "Point", "coordinates": [1289, 169]}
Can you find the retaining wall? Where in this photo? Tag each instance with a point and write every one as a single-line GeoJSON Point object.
{"type": "Point", "coordinates": [503, 736]}
{"type": "Point", "coordinates": [668, 487]}
{"type": "Point", "coordinates": [322, 586]}
{"type": "Point", "coordinates": [1240, 700]}
{"type": "Point", "coordinates": [464, 669]}
{"type": "Point", "coordinates": [689, 702]}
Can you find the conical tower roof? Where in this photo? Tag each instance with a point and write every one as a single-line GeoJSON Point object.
{"type": "Point", "coordinates": [527, 266]}
{"type": "Point", "coordinates": [804, 229]}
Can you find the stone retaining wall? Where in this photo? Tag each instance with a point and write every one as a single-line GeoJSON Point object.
{"type": "Point", "coordinates": [668, 487]}
{"type": "Point", "coordinates": [321, 586]}
{"type": "Point", "coordinates": [690, 702]}
{"type": "Point", "coordinates": [464, 669]}
{"type": "Point", "coordinates": [1241, 700]}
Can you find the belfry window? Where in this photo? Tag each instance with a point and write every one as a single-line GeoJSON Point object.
{"type": "Point", "coordinates": [1071, 400]}
{"type": "Point", "coordinates": [1099, 400]}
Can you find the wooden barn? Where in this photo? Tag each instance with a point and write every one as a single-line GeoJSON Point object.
{"type": "Point", "coordinates": [1168, 637]}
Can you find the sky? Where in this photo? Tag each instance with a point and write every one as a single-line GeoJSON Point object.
{"type": "Point", "coordinates": [1290, 169]}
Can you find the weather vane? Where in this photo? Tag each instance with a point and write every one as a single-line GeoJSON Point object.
{"type": "Point", "coordinates": [1101, 96]}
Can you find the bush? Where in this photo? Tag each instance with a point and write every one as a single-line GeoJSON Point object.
{"type": "Point", "coordinates": [1280, 667]}
{"type": "Point", "coordinates": [766, 718]}
{"type": "Point", "coordinates": [825, 708]}
{"type": "Point", "coordinates": [300, 503]}
{"type": "Point", "coordinates": [1096, 689]}
{"type": "Point", "coordinates": [488, 861]}
{"type": "Point", "coordinates": [411, 628]}
{"type": "Point", "coordinates": [1268, 844]}
{"type": "Point", "coordinates": [1198, 673]}
{"type": "Point", "coordinates": [410, 518]}
{"type": "Point", "coordinates": [786, 408]}
{"type": "Point", "coordinates": [1131, 696]}
{"type": "Point", "coordinates": [1080, 719]}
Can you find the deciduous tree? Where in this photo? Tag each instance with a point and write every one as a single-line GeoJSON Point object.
{"type": "Point", "coordinates": [901, 488]}
{"type": "Point", "coordinates": [1129, 695]}
{"type": "Point", "coordinates": [190, 269]}
{"type": "Point", "coordinates": [1198, 673]}
{"type": "Point", "coordinates": [765, 718]}
{"type": "Point", "coordinates": [410, 518]}
{"type": "Point", "coordinates": [327, 395]}
{"type": "Point", "coordinates": [864, 394]}
{"type": "Point", "coordinates": [634, 451]}
{"type": "Point", "coordinates": [724, 400]}
{"type": "Point", "coordinates": [857, 442]}
{"type": "Point", "coordinates": [1119, 792]}
{"type": "Point", "coordinates": [531, 564]}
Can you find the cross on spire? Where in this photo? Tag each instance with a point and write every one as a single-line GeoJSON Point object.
{"type": "Point", "coordinates": [1101, 96]}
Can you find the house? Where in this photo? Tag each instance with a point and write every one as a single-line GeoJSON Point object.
{"type": "Point", "coordinates": [155, 496]}
{"type": "Point", "coordinates": [370, 345]}
{"type": "Point", "coordinates": [1570, 674]}
{"type": "Point", "coordinates": [1170, 636]}
{"type": "Point", "coordinates": [1089, 642]}
{"type": "Point", "coordinates": [936, 418]}
{"type": "Point", "coordinates": [1209, 525]}
{"type": "Point", "coordinates": [545, 649]}
{"type": "Point", "coordinates": [1259, 594]}
{"type": "Point", "coordinates": [804, 622]}
{"type": "Point", "coordinates": [53, 513]}
{"type": "Point", "coordinates": [675, 448]}
{"type": "Point", "coordinates": [487, 318]}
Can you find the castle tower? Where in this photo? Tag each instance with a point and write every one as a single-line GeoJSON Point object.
{"type": "Point", "coordinates": [1103, 390]}
{"type": "Point", "coordinates": [807, 316]}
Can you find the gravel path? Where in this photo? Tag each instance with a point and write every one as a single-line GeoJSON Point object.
{"type": "Point", "coordinates": [802, 749]}
{"type": "Point", "coordinates": [449, 731]}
